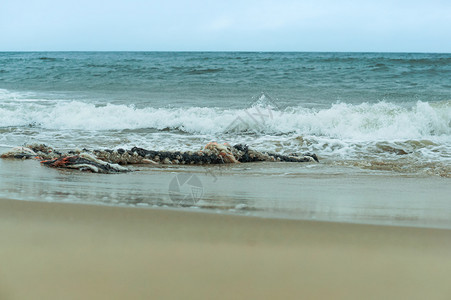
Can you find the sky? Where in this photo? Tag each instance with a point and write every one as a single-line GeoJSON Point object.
{"type": "Point", "coordinates": [235, 25]}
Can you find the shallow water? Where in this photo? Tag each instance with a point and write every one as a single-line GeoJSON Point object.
{"type": "Point", "coordinates": [277, 190]}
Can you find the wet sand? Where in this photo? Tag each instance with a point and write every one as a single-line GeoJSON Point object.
{"type": "Point", "coordinates": [74, 251]}
{"type": "Point", "coordinates": [276, 190]}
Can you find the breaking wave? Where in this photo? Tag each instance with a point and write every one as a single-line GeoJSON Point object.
{"type": "Point", "coordinates": [364, 122]}
{"type": "Point", "coordinates": [413, 137]}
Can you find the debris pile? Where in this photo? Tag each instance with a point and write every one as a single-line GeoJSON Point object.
{"type": "Point", "coordinates": [84, 162]}
{"type": "Point", "coordinates": [109, 161]}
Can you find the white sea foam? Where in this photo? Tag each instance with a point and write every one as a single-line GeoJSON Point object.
{"type": "Point", "coordinates": [418, 131]}
{"type": "Point", "coordinates": [363, 122]}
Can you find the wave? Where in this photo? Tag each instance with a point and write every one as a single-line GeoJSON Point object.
{"type": "Point", "coordinates": [380, 121]}
{"type": "Point", "coordinates": [408, 137]}
{"type": "Point", "coordinates": [204, 71]}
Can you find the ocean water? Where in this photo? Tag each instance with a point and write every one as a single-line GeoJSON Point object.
{"type": "Point", "coordinates": [372, 111]}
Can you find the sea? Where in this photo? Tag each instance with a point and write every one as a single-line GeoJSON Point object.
{"type": "Point", "coordinates": [369, 113]}
{"type": "Point", "coordinates": [388, 111]}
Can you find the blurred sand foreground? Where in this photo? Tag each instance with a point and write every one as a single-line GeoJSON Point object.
{"type": "Point", "coordinates": [70, 251]}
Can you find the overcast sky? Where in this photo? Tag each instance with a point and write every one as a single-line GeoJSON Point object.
{"type": "Point", "coordinates": [261, 25]}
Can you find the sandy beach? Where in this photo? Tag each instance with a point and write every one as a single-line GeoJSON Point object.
{"type": "Point", "coordinates": [73, 251]}
{"type": "Point", "coordinates": [267, 150]}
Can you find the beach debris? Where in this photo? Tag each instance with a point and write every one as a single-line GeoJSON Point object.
{"type": "Point", "coordinates": [212, 153]}
{"type": "Point", "coordinates": [84, 162]}
{"type": "Point", "coordinates": [110, 161]}
{"type": "Point", "coordinates": [243, 153]}
{"type": "Point", "coordinates": [225, 151]}
{"type": "Point", "coordinates": [20, 153]}
{"type": "Point", "coordinates": [33, 151]}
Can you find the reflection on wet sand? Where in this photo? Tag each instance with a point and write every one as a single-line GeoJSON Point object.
{"type": "Point", "coordinates": [317, 192]}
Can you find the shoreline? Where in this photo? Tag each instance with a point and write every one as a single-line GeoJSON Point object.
{"type": "Point", "coordinates": [232, 213]}
{"type": "Point", "coordinates": [66, 250]}
{"type": "Point", "coordinates": [272, 190]}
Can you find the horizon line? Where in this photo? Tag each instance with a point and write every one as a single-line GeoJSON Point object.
{"type": "Point", "coordinates": [232, 51]}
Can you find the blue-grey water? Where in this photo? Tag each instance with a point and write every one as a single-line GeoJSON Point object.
{"type": "Point", "coordinates": [215, 79]}
{"type": "Point", "coordinates": [388, 111]}
{"type": "Point", "coordinates": [379, 122]}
